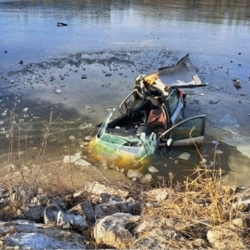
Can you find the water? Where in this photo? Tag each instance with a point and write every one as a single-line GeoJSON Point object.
{"type": "Point", "coordinates": [94, 59]}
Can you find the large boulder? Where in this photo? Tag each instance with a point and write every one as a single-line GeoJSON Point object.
{"type": "Point", "coordinates": [21, 234]}
{"type": "Point", "coordinates": [114, 230]}
{"type": "Point", "coordinates": [226, 236]}
{"type": "Point", "coordinates": [39, 241]}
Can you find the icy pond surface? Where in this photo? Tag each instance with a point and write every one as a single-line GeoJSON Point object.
{"type": "Point", "coordinates": [86, 67]}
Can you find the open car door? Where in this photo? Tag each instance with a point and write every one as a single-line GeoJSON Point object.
{"type": "Point", "coordinates": [185, 133]}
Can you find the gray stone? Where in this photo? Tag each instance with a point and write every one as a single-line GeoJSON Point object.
{"type": "Point", "coordinates": [218, 237]}
{"type": "Point", "coordinates": [30, 235]}
{"type": "Point", "coordinates": [67, 220]}
{"type": "Point", "coordinates": [39, 241]}
{"type": "Point", "coordinates": [58, 91]}
{"type": "Point", "coordinates": [105, 209]}
{"type": "Point", "coordinates": [97, 188]}
{"type": "Point", "coordinates": [81, 162]}
{"type": "Point", "coordinates": [85, 125]}
{"type": "Point", "coordinates": [113, 230]}
{"type": "Point", "coordinates": [146, 178]}
{"type": "Point", "coordinates": [159, 238]}
{"type": "Point", "coordinates": [50, 214]}
{"type": "Point", "coordinates": [89, 212]}
{"type": "Point", "coordinates": [131, 174]}
{"type": "Point", "coordinates": [33, 212]}
{"type": "Point", "coordinates": [158, 194]}
{"type": "Point", "coordinates": [153, 169]}
{"type": "Point", "coordinates": [71, 158]}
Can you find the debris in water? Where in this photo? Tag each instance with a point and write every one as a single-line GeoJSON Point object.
{"type": "Point", "coordinates": [185, 156]}
{"type": "Point", "coordinates": [58, 91]}
{"type": "Point", "coordinates": [25, 109]}
{"type": "Point", "coordinates": [85, 125]}
{"type": "Point", "coordinates": [72, 138]}
{"type": "Point", "coordinates": [236, 83]}
{"type": "Point", "coordinates": [216, 143]}
{"type": "Point", "coordinates": [61, 24]}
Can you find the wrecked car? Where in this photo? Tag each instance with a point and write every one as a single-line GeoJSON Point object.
{"type": "Point", "coordinates": [151, 116]}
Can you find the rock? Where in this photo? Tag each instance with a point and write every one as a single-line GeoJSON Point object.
{"type": "Point", "coordinates": [25, 110]}
{"type": "Point", "coordinates": [185, 156]}
{"type": "Point", "coordinates": [131, 174]}
{"type": "Point", "coordinates": [158, 194]}
{"type": "Point", "coordinates": [50, 212]}
{"type": "Point", "coordinates": [214, 101]}
{"type": "Point", "coordinates": [81, 162]}
{"type": "Point", "coordinates": [67, 220]}
{"type": "Point", "coordinates": [219, 237]}
{"type": "Point", "coordinates": [242, 205]}
{"type": "Point", "coordinates": [238, 222]}
{"type": "Point", "coordinates": [105, 198]}
{"type": "Point", "coordinates": [102, 210]}
{"type": "Point", "coordinates": [72, 138]}
{"type": "Point", "coordinates": [88, 138]}
{"type": "Point", "coordinates": [114, 231]}
{"type": "Point", "coordinates": [153, 169]}
{"type": "Point", "coordinates": [113, 207]}
{"type": "Point", "coordinates": [97, 188]}
{"type": "Point", "coordinates": [33, 212]}
{"type": "Point", "coordinates": [146, 178]}
{"type": "Point", "coordinates": [236, 84]}
{"type": "Point", "coordinates": [89, 212]}
{"type": "Point", "coordinates": [149, 223]}
{"type": "Point", "coordinates": [71, 158]}
{"type": "Point", "coordinates": [58, 91]}
{"type": "Point", "coordinates": [39, 241]}
{"type": "Point", "coordinates": [30, 235]}
{"type": "Point", "coordinates": [60, 24]}
{"type": "Point", "coordinates": [85, 125]}
{"type": "Point", "coordinates": [159, 238]}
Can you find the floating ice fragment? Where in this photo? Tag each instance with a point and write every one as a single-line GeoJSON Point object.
{"type": "Point", "coordinates": [25, 109]}
{"type": "Point", "coordinates": [88, 138]}
{"type": "Point", "coordinates": [216, 143]}
{"type": "Point", "coordinates": [152, 169]}
{"type": "Point", "coordinates": [85, 125]}
{"type": "Point", "coordinates": [185, 156]}
{"type": "Point", "coordinates": [58, 91]}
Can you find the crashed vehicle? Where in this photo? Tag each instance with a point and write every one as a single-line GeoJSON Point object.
{"type": "Point", "coordinates": [151, 116]}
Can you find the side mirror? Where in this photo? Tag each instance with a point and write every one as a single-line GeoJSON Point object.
{"type": "Point", "coordinates": [169, 142]}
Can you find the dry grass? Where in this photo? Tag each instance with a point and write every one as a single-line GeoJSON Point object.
{"type": "Point", "coordinates": [203, 202]}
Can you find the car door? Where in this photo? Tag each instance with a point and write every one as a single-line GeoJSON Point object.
{"type": "Point", "coordinates": [175, 106]}
{"type": "Point", "coordinates": [185, 133]}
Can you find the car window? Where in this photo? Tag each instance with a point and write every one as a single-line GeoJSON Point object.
{"type": "Point", "coordinates": [192, 127]}
{"type": "Point", "coordinates": [173, 101]}
{"type": "Point", "coordinates": [133, 100]}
